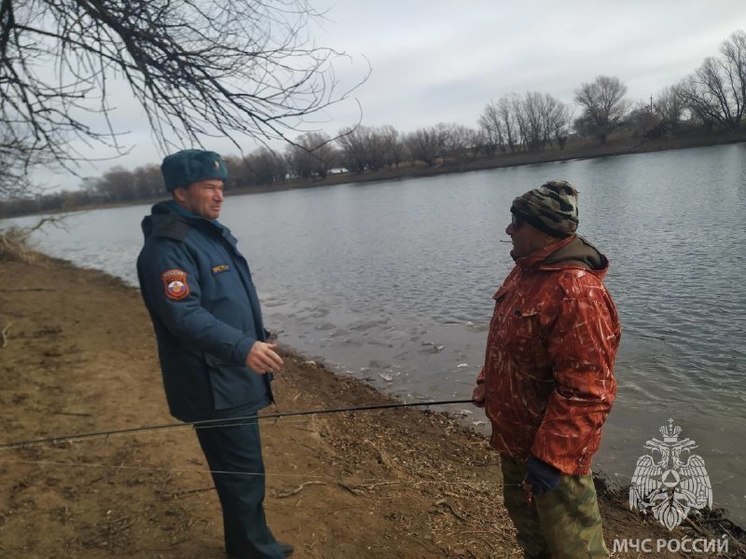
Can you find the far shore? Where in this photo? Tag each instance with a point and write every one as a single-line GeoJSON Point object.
{"type": "Point", "coordinates": [575, 150]}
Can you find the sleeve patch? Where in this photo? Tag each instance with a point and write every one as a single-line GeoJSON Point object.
{"type": "Point", "coordinates": [175, 284]}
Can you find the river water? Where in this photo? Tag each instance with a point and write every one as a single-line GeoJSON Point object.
{"type": "Point", "coordinates": [391, 282]}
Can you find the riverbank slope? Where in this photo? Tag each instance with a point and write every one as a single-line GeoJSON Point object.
{"type": "Point", "coordinates": [78, 355]}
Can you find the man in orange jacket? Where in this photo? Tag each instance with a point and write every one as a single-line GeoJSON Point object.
{"type": "Point", "coordinates": [547, 383]}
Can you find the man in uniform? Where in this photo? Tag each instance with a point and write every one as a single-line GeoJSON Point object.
{"type": "Point", "coordinates": [547, 383]}
{"type": "Point", "coordinates": [212, 345]}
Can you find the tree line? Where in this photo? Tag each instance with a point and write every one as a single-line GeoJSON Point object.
{"type": "Point", "coordinates": [711, 98]}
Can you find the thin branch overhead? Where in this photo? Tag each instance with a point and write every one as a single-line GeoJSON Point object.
{"type": "Point", "coordinates": [198, 68]}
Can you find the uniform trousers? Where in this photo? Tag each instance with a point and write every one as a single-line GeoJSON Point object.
{"type": "Point", "coordinates": [234, 454]}
{"type": "Point", "coordinates": [563, 523]}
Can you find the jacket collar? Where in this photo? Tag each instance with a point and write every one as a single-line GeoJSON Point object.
{"type": "Point", "coordinates": [573, 252]}
{"type": "Point", "coordinates": [536, 258]}
{"type": "Point", "coordinates": [173, 212]}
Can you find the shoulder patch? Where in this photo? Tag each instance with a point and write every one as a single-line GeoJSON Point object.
{"type": "Point", "coordinates": [175, 284]}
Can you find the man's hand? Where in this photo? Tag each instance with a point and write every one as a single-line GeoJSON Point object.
{"type": "Point", "coordinates": [478, 395]}
{"type": "Point", "coordinates": [540, 477]}
{"type": "Point", "coordinates": [263, 358]}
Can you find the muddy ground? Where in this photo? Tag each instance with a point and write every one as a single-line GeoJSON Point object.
{"type": "Point", "coordinates": [79, 356]}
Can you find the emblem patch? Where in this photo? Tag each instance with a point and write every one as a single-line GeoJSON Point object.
{"type": "Point", "coordinates": [220, 268]}
{"type": "Point", "coordinates": [175, 284]}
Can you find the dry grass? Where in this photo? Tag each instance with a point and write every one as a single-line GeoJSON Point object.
{"type": "Point", "coordinates": [14, 245]}
{"type": "Point", "coordinates": [15, 241]}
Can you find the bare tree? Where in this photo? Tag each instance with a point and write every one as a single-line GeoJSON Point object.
{"type": "Point", "coordinates": [147, 181]}
{"type": "Point", "coordinates": [376, 149]}
{"type": "Point", "coordinates": [604, 105]}
{"type": "Point", "coordinates": [557, 116]}
{"type": "Point", "coordinates": [670, 108]}
{"type": "Point", "coordinates": [534, 112]}
{"type": "Point", "coordinates": [117, 185]}
{"type": "Point", "coordinates": [532, 122]}
{"type": "Point", "coordinates": [263, 167]}
{"type": "Point", "coordinates": [366, 148]}
{"type": "Point", "coordinates": [734, 67]}
{"type": "Point", "coordinates": [644, 120]}
{"type": "Point", "coordinates": [458, 141]}
{"type": "Point", "coordinates": [198, 68]}
{"type": "Point", "coordinates": [311, 155]}
{"type": "Point", "coordinates": [716, 92]}
{"type": "Point", "coordinates": [353, 144]}
{"type": "Point", "coordinates": [508, 107]}
{"type": "Point", "coordinates": [426, 144]}
{"type": "Point", "coordinates": [502, 124]}
{"type": "Point", "coordinates": [393, 148]}
{"type": "Point", "coordinates": [491, 127]}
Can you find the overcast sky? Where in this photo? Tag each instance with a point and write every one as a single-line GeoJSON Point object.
{"type": "Point", "coordinates": [442, 61]}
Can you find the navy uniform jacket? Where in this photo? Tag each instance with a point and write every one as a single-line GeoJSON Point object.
{"type": "Point", "coordinates": [205, 311]}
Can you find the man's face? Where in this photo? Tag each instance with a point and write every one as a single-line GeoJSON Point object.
{"type": "Point", "coordinates": [525, 237]}
{"type": "Point", "coordinates": [203, 198]}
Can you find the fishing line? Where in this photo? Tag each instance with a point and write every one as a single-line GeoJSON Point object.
{"type": "Point", "coordinates": [226, 422]}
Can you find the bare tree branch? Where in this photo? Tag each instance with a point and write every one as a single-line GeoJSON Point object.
{"type": "Point", "coordinates": [198, 68]}
{"type": "Point", "coordinates": [716, 92]}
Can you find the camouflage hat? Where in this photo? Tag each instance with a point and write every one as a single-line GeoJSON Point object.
{"type": "Point", "coordinates": [192, 165]}
{"type": "Point", "coordinates": [552, 208]}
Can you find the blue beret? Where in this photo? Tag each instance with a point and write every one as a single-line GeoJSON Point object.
{"type": "Point", "coordinates": [192, 165]}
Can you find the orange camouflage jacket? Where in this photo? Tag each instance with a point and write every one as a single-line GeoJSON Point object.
{"type": "Point", "coordinates": [548, 370]}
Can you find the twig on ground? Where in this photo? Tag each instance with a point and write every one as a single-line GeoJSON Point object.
{"type": "Point", "coordinates": [284, 494]}
{"type": "Point", "coordinates": [370, 486]}
{"type": "Point", "coordinates": [186, 492]}
{"type": "Point", "coordinates": [15, 289]}
{"type": "Point", "coordinates": [358, 488]}
{"type": "Point", "coordinates": [348, 488]}
{"type": "Point", "coordinates": [450, 508]}
{"type": "Point", "coordinates": [119, 525]}
{"type": "Point", "coordinates": [4, 334]}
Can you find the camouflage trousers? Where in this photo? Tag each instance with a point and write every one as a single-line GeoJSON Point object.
{"type": "Point", "coordinates": [564, 523]}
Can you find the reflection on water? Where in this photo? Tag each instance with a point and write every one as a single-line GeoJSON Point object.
{"type": "Point", "coordinates": [392, 282]}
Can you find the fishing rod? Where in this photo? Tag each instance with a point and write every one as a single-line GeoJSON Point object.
{"type": "Point", "coordinates": [225, 422]}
